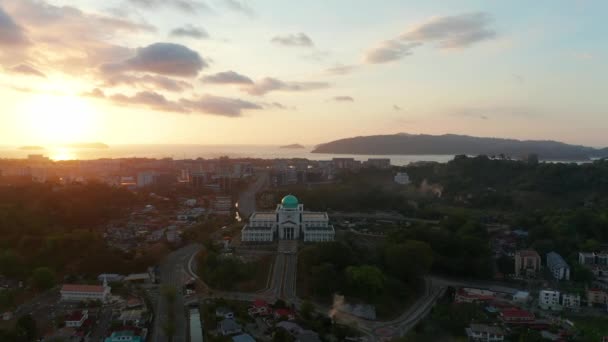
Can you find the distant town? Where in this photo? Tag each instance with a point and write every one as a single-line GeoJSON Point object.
{"type": "Point", "coordinates": [137, 249]}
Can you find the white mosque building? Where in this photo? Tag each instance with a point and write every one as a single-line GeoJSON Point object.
{"type": "Point", "coordinates": [288, 222]}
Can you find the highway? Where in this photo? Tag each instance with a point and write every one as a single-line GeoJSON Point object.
{"type": "Point", "coordinates": [246, 204]}
{"type": "Point", "coordinates": [173, 272]}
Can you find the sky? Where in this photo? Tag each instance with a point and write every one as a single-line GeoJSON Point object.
{"type": "Point", "coordinates": [281, 72]}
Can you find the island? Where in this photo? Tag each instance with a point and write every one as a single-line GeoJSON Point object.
{"type": "Point", "coordinates": [452, 144]}
{"type": "Point", "coordinates": [31, 148]}
{"type": "Point", "coordinates": [293, 146]}
{"type": "Point", "coordinates": [95, 145]}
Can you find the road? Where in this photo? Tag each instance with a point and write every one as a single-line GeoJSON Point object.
{"type": "Point", "coordinates": [246, 202]}
{"type": "Point", "coordinates": [435, 287]}
{"type": "Point", "coordinates": [289, 278]}
{"type": "Point", "coordinates": [282, 285]}
{"type": "Point", "coordinates": [276, 280]}
{"type": "Point", "coordinates": [173, 272]}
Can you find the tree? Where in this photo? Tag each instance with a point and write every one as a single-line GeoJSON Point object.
{"type": "Point", "coordinates": [581, 274]}
{"type": "Point", "coordinates": [43, 278]}
{"type": "Point", "coordinates": [505, 265]}
{"type": "Point", "coordinates": [25, 328]}
{"type": "Point", "coordinates": [408, 260]}
{"type": "Point", "coordinates": [307, 309]}
{"type": "Point", "coordinates": [10, 264]}
{"type": "Point", "coordinates": [366, 281]}
{"type": "Point", "coordinates": [7, 299]}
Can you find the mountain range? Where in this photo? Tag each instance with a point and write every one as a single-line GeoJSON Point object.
{"type": "Point", "coordinates": [452, 144]}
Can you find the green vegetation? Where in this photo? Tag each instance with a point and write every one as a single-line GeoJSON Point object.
{"type": "Point", "coordinates": [447, 321]}
{"type": "Point", "coordinates": [366, 281]}
{"type": "Point", "coordinates": [25, 330]}
{"type": "Point", "coordinates": [43, 278]}
{"type": "Point", "coordinates": [362, 273]}
{"type": "Point", "coordinates": [460, 247]}
{"type": "Point", "coordinates": [367, 190]}
{"type": "Point", "coordinates": [46, 226]}
{"type": "Point", "coordinates": [591, 328]}
{"type": "Point", "coordinates": [564, 207]}
{"type": "Point", "coordinates": [227, 272]}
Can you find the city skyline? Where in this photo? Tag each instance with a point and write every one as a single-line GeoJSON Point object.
{"type": "Point", "coordinates": [272, 72]}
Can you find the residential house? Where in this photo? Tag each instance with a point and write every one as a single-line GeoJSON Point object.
{"type": "Point", "coordinates": [293, 328]}
{"type": "Point", "coordinates": [402, 178]}
{"type": "Point", "coordinates": [132, 317]}
{"type": "Point", "coordinates": [308, 336]}
{"type": "Point", "coordinates": [527, 263]}
{"type": "Point", "coordinates": [470, 295]}
{"type": "Point", "coordinates": [243, 338]}
{"type": "Point", "coordinates": [558, 266]}
{"type": "Point", "coordinates": [286, 313]}
{"type": "Point", "coordinates": [110, 277]}
{"type": "Point", "coordinates": [76, 319]}
{"type": "Point", "coordinates": [588, 258]}
{"type": "Point", "coordinates": [140, 278]}
{"type": "Point", "coordinates": [229, 327]}
{"type": "Point", "coordinates": [260, 307]}
{"type": "Point", "coordinates": [571, 300]}
{"type": "Point", "coordinates": [549, 300]}
{"type": "Point", "coordinates": [124, 336]}
{"type": "Point", "coordinates": [597, 297]}
{"type": "Point", "coordinates": [516, 316]}
{"type": "Point", "coordinates": [521, 297]}
{"type": "Point", "coordinates": [585, 258]}
{"type": "Point", "coordinates": [485, 333]}
{"type": "Point", "coordinates": [224, 312]}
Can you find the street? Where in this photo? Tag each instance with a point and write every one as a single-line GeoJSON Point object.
{"type": "Point", "coordinates": [246, 204]}
{"type": "Point", "coordinates": [173, 272]}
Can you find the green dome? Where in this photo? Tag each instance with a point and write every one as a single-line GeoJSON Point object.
{"type": "Point", "coordinates": [290, 202]}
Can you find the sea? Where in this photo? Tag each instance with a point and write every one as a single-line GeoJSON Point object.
{"type": "Point", "coordinates": [202, 151]}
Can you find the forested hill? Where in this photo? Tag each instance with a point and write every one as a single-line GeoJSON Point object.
{"type": "Point", "coordinates": [451, 144]}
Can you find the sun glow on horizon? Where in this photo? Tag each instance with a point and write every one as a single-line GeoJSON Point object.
{"type": "Point", "coordinates": [62, 154]}
{"type": "Point", "coordinates": [54, 119]}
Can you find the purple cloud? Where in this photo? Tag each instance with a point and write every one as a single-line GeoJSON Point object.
{"type": "Point", "coordinates": [163, 59]}
{"type": "Point", "coordinates": [227, 77]}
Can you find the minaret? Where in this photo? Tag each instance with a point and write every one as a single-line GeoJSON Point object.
{"type": "Point", "coordinates": [105, 281]}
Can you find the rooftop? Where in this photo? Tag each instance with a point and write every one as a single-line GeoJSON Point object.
{"type": "Point", "coordinates": [290, 202]}
{"type": "Point", "coordinates": [517, 313]}
{"type": "Point", "coordinates": [314, 215]}
{"type": "Point", "coordinates": [484, 328]}
{"type": "Point", "coordinates": [260, 303]}
{"type": "Point", "coordinates": [328, 227]}
{"type": "Point", "coordinates": [229, 324]}
{"type": "Point", "coordinates": [250, 227]}
{"type": "Point", "coordinates": [528, 253]}
{"type": "Point", "coordinates": [243, 338]}
{"type": "Point", "coordinates": [556, 260]}
{"type": "Point", "coordinates": [263, 216]}
{"type": "Point", "coordinates": [76, 316]}
{"type": "Point", "coordinates": [82, 288]}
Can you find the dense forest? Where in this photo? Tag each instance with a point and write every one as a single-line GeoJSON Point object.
{"type": "Point", "coordinates": [451, 144]}
{"type": "Point", "coordinates": [562, 206]}
{"type": "Point", "coordinates": [372, 273]}
{"type": "Point", "coordinates": [49, 231]}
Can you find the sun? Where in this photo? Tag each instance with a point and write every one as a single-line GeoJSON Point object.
{"type": "Point", "coordinates": [55, 119]}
